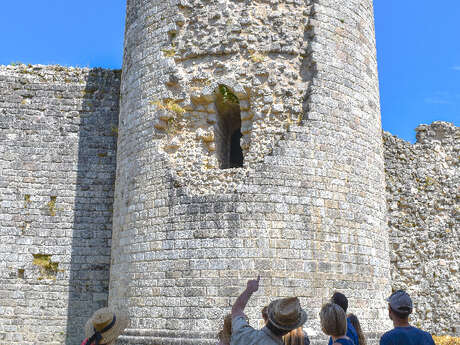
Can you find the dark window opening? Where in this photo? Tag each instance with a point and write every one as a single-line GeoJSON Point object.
{"type": "Point", "coordinates": [236, 153]}
{"type": "Point", "coordinates": [228, 131]}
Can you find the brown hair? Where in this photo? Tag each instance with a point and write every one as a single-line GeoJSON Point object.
{"type": "Point", "coordinates": [340, 299]}
{"type": "Point", "coordinates": [355, 322]}
{"type": "Point", "coordinates": [333, 320]}
{"type": "Point", "coordinates": [225, 334]}
{"type": "Point", "coordinates": [294, 337]}
{"type": "Point", "coordinates": [264, 312]}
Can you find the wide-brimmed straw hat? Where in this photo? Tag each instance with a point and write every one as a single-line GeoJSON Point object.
{"type": "Point", "coordinates": [106, 325]}
{"type": "Point", "coordinates": [286, 313]}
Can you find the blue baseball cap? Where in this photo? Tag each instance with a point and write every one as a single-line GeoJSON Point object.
{"type": "Point", "coordinates": [400, 302]}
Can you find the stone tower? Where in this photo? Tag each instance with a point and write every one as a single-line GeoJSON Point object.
{"type": "Point", "coordinates": [249, 143]}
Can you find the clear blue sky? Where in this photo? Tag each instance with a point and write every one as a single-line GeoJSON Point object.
{"type": "Point", "coordinates": [418, 46]}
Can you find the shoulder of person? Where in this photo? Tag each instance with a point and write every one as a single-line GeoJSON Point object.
{"type": "Point", "coordinates": [384, 339]}
{"type": "Point", "coordinates": [349, 322]}
{"type": "Point", "coordinates": [428, 337]}
{"type": "Point", "coordinates": [240, 324]}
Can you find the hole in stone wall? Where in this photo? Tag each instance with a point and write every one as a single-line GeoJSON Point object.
{"type": "Point", "coordinates": [21, 273]}
{"type": "Point", "coordinates": [236, 153]}
{"type": "Point", "coordinates": [228, 129]}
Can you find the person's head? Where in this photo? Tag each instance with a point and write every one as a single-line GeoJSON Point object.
{"type": "Point", "coordinates": [105, 326]}
{"type": "Point", "coordinates": [399, 306]}
{"type": "Point", "coordinates": [355, 322]}
{"type": "Point", "coordinates": [265, 313]}
{"type": "Point", "coordinates": [284, 315]}
{"type": "Point", "coordinates": [333, 320]}
{"type": "Point", "coordinates": [294, 337]}
{"type": "Point", "coordinates": [340, 299]}
{"type": "Point", "coordinates": [226, 332]}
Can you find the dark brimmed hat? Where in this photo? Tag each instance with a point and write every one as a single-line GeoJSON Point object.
{"type": "Point", "coordinates": [400, 302]}
{"type": "Point", "coordinates": [286, 313]}
{"type": "Point", "coordinates": [105, 326]}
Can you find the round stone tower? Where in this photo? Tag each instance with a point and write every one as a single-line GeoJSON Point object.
{"type": "Point", "coordinates": [249, 143]}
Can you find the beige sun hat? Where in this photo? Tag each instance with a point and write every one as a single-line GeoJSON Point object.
{"type": "Point", "coordinates": [286, 313]}
{"type": "Point", "coordinates": [106, 325]}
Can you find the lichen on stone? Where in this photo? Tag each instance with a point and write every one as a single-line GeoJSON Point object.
{"type": "Point", "coordinates": [52, 206]}
{"type": "Point", "coordinates": [227, 95]}
{"type": "Point", "coordinates": [48, 268]}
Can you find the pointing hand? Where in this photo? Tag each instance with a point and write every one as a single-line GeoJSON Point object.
{"type": "Point", "coordinates": [253, 285]}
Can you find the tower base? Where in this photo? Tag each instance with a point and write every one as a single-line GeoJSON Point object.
{"type": "Point", "coordinates": [149, 337]}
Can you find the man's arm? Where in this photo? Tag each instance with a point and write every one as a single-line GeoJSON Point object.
{"type": "Point", "coordinates": [242, 300]}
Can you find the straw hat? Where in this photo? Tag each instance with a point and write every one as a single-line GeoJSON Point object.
{"type": "Point", "coordinates": [107, 323]}
{"type": "Point", "coordinates": [286, 313]}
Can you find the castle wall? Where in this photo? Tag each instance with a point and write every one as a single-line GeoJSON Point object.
{"type": "Point", "coordinates": [423, 211]}
{"type": "Point", "coordinates": [307, 208]}
{"type": "Point", "coordinates": [298, 211]}
{"type": "Point", "coordinates": [57, 169]}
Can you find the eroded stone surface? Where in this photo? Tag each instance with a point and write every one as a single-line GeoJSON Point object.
{"type": "Point", "coordinates": [423, 211]}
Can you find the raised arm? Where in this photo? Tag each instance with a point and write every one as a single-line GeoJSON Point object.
{"type": "Point", "coordinates": [242, 300]}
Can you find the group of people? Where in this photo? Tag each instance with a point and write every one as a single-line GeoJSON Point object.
{"type": "Point", "coordinates": [284, 319]}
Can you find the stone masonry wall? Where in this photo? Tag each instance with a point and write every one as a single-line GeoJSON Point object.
{"type": "Point", "coordinates": [58, 130]}
{"type": "Point", "coordinates": [424, 221]}
{"type": "Point", "coordinates": [306, 209]}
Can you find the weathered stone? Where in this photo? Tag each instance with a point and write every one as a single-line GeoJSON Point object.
{"type": "Point", "coordinates": [422, 197]}
{"type": "Point", "coordinates": [305, 208]}
{"type": "Point", "coordinates": [311, 144]}
{"type": "Point", "coordinates": [57, 174]}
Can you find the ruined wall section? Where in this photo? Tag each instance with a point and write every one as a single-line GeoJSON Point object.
{"type": "Point", "coordinates": [258, 51]}
{"type": "Point", "coordinates": [58, 129]}
{"type": "Point", "coordinates": [424, 221]}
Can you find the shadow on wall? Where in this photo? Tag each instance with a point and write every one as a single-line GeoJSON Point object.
{"type": "Point", "coordinates": [92, 223]}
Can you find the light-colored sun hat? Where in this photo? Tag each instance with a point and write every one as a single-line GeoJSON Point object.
{"type": "Point", "coordinates": [105, 325]}
{"type": "Point", "coordinates": [286, 313]}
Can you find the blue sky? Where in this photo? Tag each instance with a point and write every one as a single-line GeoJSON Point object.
{"type": "Point", "coordinates": [417, 41]}
{"type": "Point", "coordinates": [418, 48]}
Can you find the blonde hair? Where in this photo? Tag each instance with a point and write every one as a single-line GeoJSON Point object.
{"type": "Point", "coordinates": [333, 320]}
{"type": "Point", "coordinates": [225, 334]}
{"type": "Point", "coordinates": [294, 337]}
{"type": "Point", "coordinates": [355, 322]}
